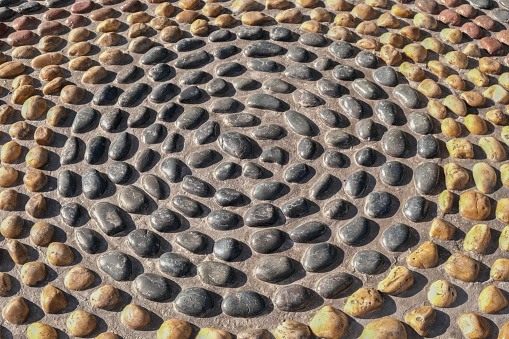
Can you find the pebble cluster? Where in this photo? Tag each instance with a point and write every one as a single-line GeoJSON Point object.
{"type": "Point", "coordinates": [201, 169]}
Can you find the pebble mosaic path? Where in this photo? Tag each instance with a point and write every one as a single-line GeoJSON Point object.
{"type": "Point", "coordinates": [241, 169]}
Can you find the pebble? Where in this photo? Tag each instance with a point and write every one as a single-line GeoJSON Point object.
{"type": "Point", "coordinates": [300, 72]}
{"type": "Point", "coordinates": [295, 208]}
{"type": "Point", "coordinates": [354, 232]}
{"type": "Point", "coordinates": [308, 232]}
{"type": "Point", "coordinates": [356, 184]}
{"type": "Point", "coordinates": [292, 298]}
{"type": "Point", "coordinates": [192, 241]}
{"type": "Point", "coordinates": [93, 184]}
{"type": "Point", "coordinates": [243, 304]}
{"type": "Point", "coordinates": [194, 301]}
{"type": "Point", "coordinates": [274, 269]}
{"type": "Point", "coordinates": [408, 96]}
{"type": "Point", "coordinates": [363, 301]}
{"type": "Point", "coordinates": [174, 264]}
{"type": "Point", "coordinates": [366, 59]}
{"type": "Point", "coordinates": [278, 86]}
{"type": "Point", "coordinates": [318, 257]}
{"type": "Point", "coordinates": [378, 204]}
{"type": "Point", "coordinates": [88, 240]}
{"type": "Point", "coordinates": [416, 208]}
{"type": "Point", "coordinates": [105, 297]}
{"type": "Point", "coordinates": [395, 236]}
{"type": "Point", "coordinates": [368, 262]}
{"type": "Point", "coordinates": [384, 327]}
{"type": "Point", "coordinates": [135, 317]}
{"type": "Point", "coordinates": [71, 213]}
{"type": "Point", "coordinates": [427, 177]}
{"type": "Point", "coordinates": [420, 122]}
{"type": "Point", "coordinates": [386, 76]}
{"type": "Point", "coordinates": [227, 249]}
{"type": "Point", "coordinates": [270, 131]}
{"type": "Point", "coordinates": [116, 264]}
{"type": "Point", "coordinates": [152, 287]}
{"type": "Point", "coordinates": [394, 142]}
{"type": "Point", "coordinates": [216, 274]}
{"type": "Point", "coordinates": [267, 241]}
{"type": "Point", "coordinates": [119, 172]}
{"type": "Point", "coordinates": [144, 242]}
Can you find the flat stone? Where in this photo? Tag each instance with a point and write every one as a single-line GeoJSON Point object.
{"type": "Point", "coordinates": [152, 287]}
{"type": "Point", "coordinates": [84, 120]}
{"type": "Point", "coordinates": [298, 54]}
{"type": "Point", "coordinates": [392, 173]}
{"type": "Point", "coordinates": [216, 274]}
{"type": "Point", "coordinates": [274, 268]}
{"type": "Point", "coordinates": [344, 72]}
{"type": "Point", "coordinates": [132, 94]}
{"type": "Point", "coordinates": [159, 72]}
{"type": "Point", "coordinates": [329, 88]}
{"type": "Point", "coordinates": [111, 120]}
{"type": "Point", "coordinates": [281, 34]}
{"type": "Point", "coordinates": [225, 170]}
{"type": "Point", "coordinates": [299, 123]}
{"type": "Point", "coordinates": [338, 138]}
{"type": "Point", "coordinates": [164, 220]}
{"type": "Point", "coordinates": [229, 69]}
{"type": "Point", "coordinates": [268, 66]}
{"type": "Point", "coordinates": [308, 232]}
{"type": "Point", "coordinates": [483, 4]}
{"type": "Point", "coordinates": [228, 197]}
{"type": "Point", "coordinates": [171, 168]}
{"type": "Point", "coordinates": [307, 148]}
{"type": "Point", "coordinates": [196, 186]}
{"type": "Point", "coordinates": [356, 184]}
{"type": "Point", "coordinates": [292, 298]}
{"type": "Point", "coordinates": [306, 98]}
{"type": "Point", "coordinates": [366, 59]}
{"type": "Point", "coordinates": [144, 243]}
{"type": "Point", "coordinates": [366, 89]}
{"type": "Point", "coordinates": [264, 101]}
{"type": "Point", "coordinates": [313, 39]}
{"type": "Point", "coordinates": [276, 85]}
{"type": "Point", "coordinates": [128, 74]}
{"type": "Point", "coordinates": [220, 35]}
{"type": "Point", "coordinates": [144, 160]}
{"type": "Point", "coordinates": [189, 44]}
{"type": "Point", "coordinates": [192, 77]}
{"type": "Point", "coordinates": [394, 237]}
{"type": "Point", "coordinates": [318, 257]}
{"type": "Point", "coordinates": [333, 285]}
{"type": "Point", "coordinates": [194, 301]}
{"type": "Point", "coordinates": [427, 177]}
{"type": "Point", "coordinates": [223, 220]}
{"type": "Point", "coordinates": [351, 106]}
{"type": "Point", "coordinates": [368, 262]}
{"type": "Point", "coordinates": [335, 209]}
{"type": "Point", "coordinates": [189, 95]}
{"type": "Point", "coordinates": [241, 120]}
{"type": "Point", "coordinates": [354, 232]}
{"type": "Point", "coordinates": [386, 76]}
{"type": "Point", "coordinates": [133, 200]}
{"type": "Point", "coordinates": [252, 170]}
{"type": "Point", "coordinates": [193, 60]}
{"type": "Point", "coordinates": [191, 118]}
{"type": "Point", "coordinates": [243, 304]}
{"type": "Point", "coordinates": [321, 186]}
{"type": "Point", "coordinates": [224, 52]}
{"type": "Point", "coordinates": [416, 208]}
{"type": "Point", "coordinates": [115, 264]}
{"type": "Point", "coordinates": [329, 117]}
{"type": "Point", "coordinates": [245, 84]}
{"type": "Point", "coordinates": [365, 156]}
{"type": "Point", "coordinates": [217, 87]}
{"type": "Point", "coordinates": [378, 204]}
{"type": "Point", "coordinates": [300, 72]}
{"type": "Point", "coordinates": [235, 144]}
{"type": "Point", "coordinates": [155, 55]}
{"type": "Point", "coordinates": [341, 49]}
{"type": "Point", "coordinates": [262, 49]}
{"type": "Point", "coordinates": [269, 132]}
{"type": "Point", "coordinates": [174, 264]}
{"type": "Point", "coordinates": [66, 184]}
{"type": "Point", "coordinates": [394, 143]}
{"type": "Point", "coordinates": [192, 241]}
{"type": "Point", "coordinates": [250, 33]}
{"type": "Point", "coordinates": [267, 241]}
{"type": "Point", "coordinates": [153, 134]}
{"type": "Point", "coordinates": [295, 208]}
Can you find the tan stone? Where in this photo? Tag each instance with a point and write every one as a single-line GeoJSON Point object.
{"type": "Point", "coordinates": [492, 300]}
{"type": "Point", "coordinates": [16, 311]}
{"type": "Point", "coordinates": [442, 293]}
{"type": "Point", "coordinates": [135, 317]}
{"type": "Point", "coordinates": [493, 149]}
{"type": "Point", "coordinates": [441, 229]}
{"type": "Point", "coordinates": [421, 319]}
{"type": "Point", "coordinates": [105, 297]}
{"type": "Point", "coordinates": [39, 330]}
{"type": "Point", "coordinates": [436, 109]}
{"type": "Point", "coordinates": [174, 329]}
{"type": "Point", "coordinates": [59, 254]}
{"type": "Point", "coordinates": [398, 281]}
{"type": "Point", "coordinates": [363, 301]}
{"type": "Point", "coordinates": [460, 148]}
{"type": "Point", "coordinates": [500, 268]}
{"type": "Point", "coordinates": [11, 226]}
{"type": "Point", "coordinates": [329, 323]}
{"type": "Point", "coordinates": [290, 329]}
{"type": "Point", "coordinates": [462, 267]}
{"type": "Point", "coordinates": [17, 251]}
{"type": "Point", "coordinates": [255, 18]}
{"type": "Point", "coordinates": [79, 278]}
{"type": "Point", "coordinates": [33, 273]}
{"type": "Point", "coordinates": [81, 323]}
{"type": "Point", "coordinates": [456, 82]}
{"type": "Point", "coordinates": [425, 256]}
{"type": "Point", "coordinates": [387, 327]}
{"type": "Point", "coordinates": [474, 326]}
{"type": "Point", "coordinates": [52, 299]}
{"type": "Point", "coordinates": [456, 177]}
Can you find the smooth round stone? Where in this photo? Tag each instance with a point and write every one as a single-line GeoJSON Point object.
{"type": "Point", "coordinates": [386, 76]}
{"type": "Point", "coordinates": [105, 95]}
{"type": "Point", "coordinates": [501, 15]}
{"type": "Point", "coordinates": [351, 106]}
{"type": "Point", "coordinates": [323, 64]}
{"type": "Point", "coordinates": [344, 72]}
{"type": "Point", "coordinates": [162, 93]}
{"type": "Point", "coordinates": [243, 304]}
{"type": "Point", "coordinates": [235, 144]}
{"type": "Point", "coordinates": [111, 120]}
{"type": "Point", "coordinates": [192, 241]}
{"type": "Point", "coordinates": [171, 168]}
{"type": "Point", "coordinates": [484, 4]}
{"type": "Point", "coordinates": [427, 146]}
{"type": "Point", "coordinates": [93, 184]}
{"type": "Point", "coordinates": [292, 298]}
{"type": "Point", "coordinates": [225, 171]}
{"type": "Point", "coordinates": [378, 204]}
{"type": "Point", "coordinates": [295, 208]}
{"type": "Point", "coordinates": [332, 285]}
{"type": "Point", "coordinates": [426, 177]}
{"type": "Point", "coordinates": [159, 72]}
{"type": "Point", "coordinates": [366, 89]}
{"type": "Point", "coordinates": [307, 148]}
{"type": "Point", "coordinates": [368, 262]}
{"type": "Point", "coordinates": [267, 241]}
{"type": "Point", "coordinates": [107, 216]}
{"type": "Point", "coordinates": [194, 301]}
{"type": "Point", "coordinates": [133, 200]}
{"type": "Point", "coordinates": [120, 172]}
{"type": "Point", "coordinates": [328, 88]}
{"type": "Point", "coordinates": [88, 240]}
{"type": "Point", "coordinates": [250, 33]}
{"type": "Point", "coordinates": [321, 186]}
{"type": "Point", "coordinates": [144, 160]}
{"type": "Point", "coordinates": [299, 123]}
{"type": "Point", "coordinates": [216, 274]}
{"type": "Point", "coordinates": [187, 206]}
{"type": "Point", "coordinates": [268, 66]}
{"type": "Point", "coordinates": [241, 120]}
{"type": "Point", "coordinates": [253, 171]}
{"type": "Point", "coordinates": [152, 287]}
{"type": "Point", "coordinates": [281, 34]}
{"type": "Point", "coordinates": [387, 111]}
{"type": "Point", "coordinates": [153, 186]}
{"type": "Point", "coordinates": [392, 173]}
{"type": "Point", "coordinates": [138, 117]}
{"type": "Point", "coordinates": [115, 264]}
{"type": "Point", "coordinates": [229, 69]}
{"type": "Point", "coordinates": [222, 220]}
{"type": "Point", "coordinates": [356, 184]}
{"type": "Point", "coordinates": [220, 35]}
{"type": "Point", "coordinates": [300, 72]}
{"type": "Point", "coordinates": [245, 84]}
{"type": "Point", "coordinates": [85, 120]}
{"type": "Point", "coordinates": [338, 138]}
{"type": "Point", "coordinates": [269, 132]}
{"type": "Point", "coordinates": [186, 45]}
{"type": "Point", "coordinates": [305, 98]}
{"type": "Point", "coordinates": [341, 49]}
{"type": "Point", "coordinates": [71, 213]}
{"type": "Point", "coordinates": [191, 118]}
{"type": "Point", "coordinates": [394, 143]}
{"type": "Point", "coordinates": [192, 77]}
{"type": "Point", "coordinates": [354, 232]}
{"type": "Point", "coordinates": [128, 74]}
{"type": "Point", "coordinates": [274, 268]}
{"type": "Point", "coordinates": [277, 86]}
{"type": "Point", "coordinates": [262, 49]}
{"type": "Point", "coordinates": [174, 264]}
{"type": "Point", "coordinates": [297, 173]}
{"type": "Point", "coordinates": [228, 197]}
{"type": "Point", "coordinates": [164, 220]}
{"type": "Point", "coordinates": [366, 59]}
{"type": "Point", "coordinates": [153, 134]}
{"type": "Point", "coordinates": [318, 257]}
{"type": "Point", "coordinates": [395, 237]}
{"type": "Point", "coordinates": [313, 39]}
{"type": "Point", "coordinates": [420, 122]}
{"type": "Point", "coordinates": [144, 243]}
{"type": "Point", "coordinates": [190, 94]}
{"type": "Point", "coordinates": [333, 159]}
{"type": "Point", "coordinates": [298, 54]}
{"type": "Point", "coordinates": [263, 214]}
{"type": "Point", "coordinates": [407, 95]}
{"type": "Point", "coordinates": [154, 55]}
{"type": "Point", "coordinates": [201, 159]}
{"type": "Point", "coordinates": [227, 249]}
{"type": "Point", "coordinates": [217, 87]}
{"type": "Point", "coordinates": [416, 208]}
{"type": "Point", "coordinates": [366, 129]}
{"type": "Point", "coordinates": [308, 232]}
{"type": "Point", "coordinates": [120, 146]}
{"type": "Point", "coordinates": [133, 95]}
{"type": "Point", "coordinates": [335, 209]}
{"type": "Point", "coordinates": [195, 186]}
{"type": "Point", "coordinates": [66, 184]}
{"type": "Point", "coordinates": [192, 60]}
{"type": "Point", "coordinates": [268, 190]}
{"type": "Point", "coordinates": [365, 156]}
{"type": "Point", "coordinates": [329, 117]}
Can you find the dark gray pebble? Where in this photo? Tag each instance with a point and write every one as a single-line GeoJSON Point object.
{"type": "Point", "coordinates": [194, 301]}
{"type": "Point", "coordinates": [152, 287]}
{"type": "Point", "coordinates": [71, 213]}
{"type": "Point", "coordinates": [332, 285]}
{"type": "Point", "coordinates": [108, 218]}
{"type": "Point", "coordinates": [416, 208]}
{"type": "Point", "coordinates": [308, 232]}
{"type": "Point", "coordinates": [88, 240]}
{"type": "Point", "coordinates": [164, 220]}
{"type": "Point", "coordinates": [174, 264]}
{"type": "Point", "coordinates": [274, 268]}
{"type": "Point", "coordinates": [378, 204]}
{"type": "Point", "coordinates": [193, 241]}
{"type": "Point", "coordinates": [395, 236]}
{"type": "Point", "coordinates": [119, 172]}
{"type": "Point", "coordinates": [115, 264]}
{"type": "Point", "coordinates": [263, 214]}
{"type": "Point", "coordinates": [143, 242]}
{"type": "Point", "coordinates": [292, 298]}
{"type": "Point", "coordinates": [392, 173]}
{"type": "Point", "coordinates": [243, 304]}
{"type": "Point", "coordinates": [223, 220]}
{"type": "Point", "coordinates": [93, 184]}
{"type": "Point", "coordinates": [187, 206]}
{"type": "Point", "coordinates": [216, 274]}
{"type": "Point", "coordinates": [427, 146]}
{"type": "Point", "coordinates": [227, 249]}
{"type": "Point", "coordinates": [368, 262]}
{"type": "Point", "coordinates": [319, 257]}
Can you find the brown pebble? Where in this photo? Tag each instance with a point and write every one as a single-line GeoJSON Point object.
{"type": "Point", "coordinates": [22, 93]}
{"type": "Point", "coordinates": [363, 12]}
{"type": "Point", "coordinates": [78, 34]}
{"type": "Point", "coordinates": [5, 284]}
{"type": "Point", "coordinates": [132, 6]}
{"type": "Point", "coordinates": [36, 206]}
{"type": "Point", "coordinates": [172, 33]}
{"type": "Point", "coordinates": [411, 32]}
{"type": "Point", "coordinates": [52, 299]}
{"type": "Point", "coordinates": [249, 334]}
{"type": "Point", "coordinates": [135, 317]}
{"type": "Point", "coordinates": [79, 49]}
{"type": "Point", "coordinates": [105, 297]}
{"type": "Point", "coordinates": [21, 38]}
{"type": "Point", "coordinates": [50, 72]}
{"type": "Point", "coordinates": [289, 16]}
{"type": "Point", "coordinates": [9, 200]}
{"type": "Point", "coordinates": [37, 157]}
{"type": "Point", "coordinates": [11, 226]}
{"type": "Point", "coordinates": [56, 115]}
{"type": "Point", "coordinates": [160, 22]}
{"type": "Point", "coordinates": [20, 80]}
{"type": "Point", "coordinates": [474, 326]}
{"type": "Point", "coordinates": [180, 329]}
{"type": "Point", "coordinates": [16, 311]}
{"type": "Point", "coordinates": [500, 269]}
{"type": "Point", "coordinates": [450, 17]}
{"type": "Point", "coordinates": [441, 229]}
{"type": "Point", "coordinates": [288, 329]}
{"type": "Point", "coordinates": [41, 233]}
{"type": "Point", "coordinates": [225, 20]}
{"type": "Point", "coordinates": [72, 94]}
{"type": "Point", "coordinates": [474, 206]}
{"type": "Point", "coordinates": [33, 108]}
{"type": "Point", "coordinates": [107, 335]}
{"type": "Point", "coordinates": [94, 75]}
{"type": "Point", "coordinates": [35, 180]}
{"type": "Point", "coordinates": [442, 293]}
{"type": "Point", "coordinates": [25, 22]}
{"type": "Point", "coordinates": [340, 33]}
{"type": "Point", "coordinates": [33, 273]}
{"type": "Point", "coordinates": [49, 43]}
{"type": "Point", "coordinates": [81, 323]}
{"type": "Point", "coordinates": [255, 18]}
{"type": "Point", "coordinates": [79, 278]}
{"type": "Point", "coordinates": [8, 176]}
{"type": "Point", "coordinates": [108, 40]}
{"type": "Point", "coordinates": [187, 16]}
{"type": "Point", "coordinates": [398, 281]}
{"type": "Point", "coordinates": [103, 14]}
{"type": "Point", "coordinates": [199, 27]}
{"type": "Point", "coordinates": [10, 152]}
{"type": "Point", "coordinates": [52, 58]}
{"type": "Point", "coordinates": [473, 99]}
{"type": "Point", "coordinates": [112, 57]}
{"type": "Point", "coordinates": [17, 251]}
{"type": "Point", "coordinates": [491, 45]}
{"type": "Point", "coordinates": [43, 136]}
{"type": "Point", "coordinates": [82, 6]}
{"type": "Point", "coordinates": [428, 6]}
{"type": "Point", "coordinates": [467, 11]}
{"type": "Point", "coordinates": [462, 267]}
{"type": "Point", "coordinates": [492, 300]}
{"type": "Point", "coordinates": [55, 14]}
{"type": "Point", "coordinates": [75, 21]}
{"type": "Point", "coordinates": [50, 28]}
{"type": "Point", "coordinates": [363, 301]}
{"type": "Point", "coordinates": [59, 254]}
{"type": "Point", "coordinates": [212, 10]}
{"type": "Point", "coordinates": [386, 327]}
{"type": "Point", "coordinates": [472, 30]}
